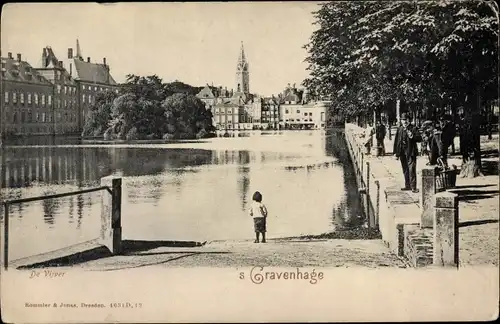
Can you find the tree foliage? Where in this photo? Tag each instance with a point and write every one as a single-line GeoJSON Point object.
{"type": "Point", "coordinates": [147, 108]}
{"type": "Point", "coordinates": [427, 54]}
{"type": "Point", "coordinates": [364, 54]}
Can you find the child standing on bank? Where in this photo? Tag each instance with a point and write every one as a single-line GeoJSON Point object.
{"type": "Point", "coordinates": [259, 213]}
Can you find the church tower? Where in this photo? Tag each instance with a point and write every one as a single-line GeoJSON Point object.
{"type": "Point", "coordinates": [242, 73]}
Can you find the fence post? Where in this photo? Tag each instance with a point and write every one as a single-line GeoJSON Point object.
{"type": "Point", "coordinates": [116, 216]}
{"type": "Point", "coordinates": [445, 244]}
{"type": "Point", "coordinates": [370, 223]}
{"type": "Point", "coordinates": [377, 208]}
{"type": "Point", "coordinates": [6, 236]}
{"type": "Point", "coordinates": [428, 190]}
{"type": "Point", "coordinates": [111, 229]}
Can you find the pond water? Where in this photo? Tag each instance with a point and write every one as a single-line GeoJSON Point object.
{"type": "Point", "coordinates": [197, 191]}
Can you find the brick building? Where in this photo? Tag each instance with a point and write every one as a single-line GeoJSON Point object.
{"type": "Point", "coordinates": [53, 98]}
{"type": "Point", "coordinates": [26, 98]}
{"type": "Point", "coordinates": [91, 78]}
{"type": "Point", "coordinates": [65, 93]}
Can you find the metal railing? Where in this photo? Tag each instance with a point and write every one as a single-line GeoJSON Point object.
{"type": "Point", "coordinates": [6, 204]}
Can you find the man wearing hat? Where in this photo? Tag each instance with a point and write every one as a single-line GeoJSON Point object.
{"type": "Point", "coordinates": [405, 149]}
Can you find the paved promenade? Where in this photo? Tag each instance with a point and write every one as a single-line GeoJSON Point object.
{"type": "Point", "coordinates": [478, 199]}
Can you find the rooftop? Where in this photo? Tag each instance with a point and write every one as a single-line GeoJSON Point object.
{"type": "Point", "coordinates": [92, 72]}
{"type": "Point", "coordinates": [21, 71]}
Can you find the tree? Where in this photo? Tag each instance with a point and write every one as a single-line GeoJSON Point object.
{"type": "Point", "coordinates": [100, 114]}
{"type": "Point", "coordinates": [147, 108]}
{"type": "Point", "coordinates": [186, 116]}
{"type": "Point", "coordinates": [428, 54]}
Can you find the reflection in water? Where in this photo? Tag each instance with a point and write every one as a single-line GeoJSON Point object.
{"type": "Point", "coordinates": [182, 193]}
{"type": "Point", "coordinates": [50, 208]}
{"type": "Point", "coordinates": [79, 206]}
{"type": "Point", "coordinates": [347, 214]}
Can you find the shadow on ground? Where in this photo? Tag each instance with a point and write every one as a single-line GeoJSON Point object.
{"type": "Point", "coordinates": [351, 234]}
{"type": "Point", "coordinates": [490, 167]}
{"type": "Point", "coordinates": [130, 247]}
{"type": "Point", "coordinates": [478, 222]}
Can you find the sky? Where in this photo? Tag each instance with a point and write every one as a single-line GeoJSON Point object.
{"type": "Point", "coordinates": [196, 43]}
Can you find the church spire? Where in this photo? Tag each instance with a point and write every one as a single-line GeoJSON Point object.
{"type": "Point", "coordinates": [242, 58]}
{"type": "Point", "coordinates": [242, 73]}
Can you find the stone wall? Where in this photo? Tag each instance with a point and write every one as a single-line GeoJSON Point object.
{"type": "Point", "coordinates": [396, 213]}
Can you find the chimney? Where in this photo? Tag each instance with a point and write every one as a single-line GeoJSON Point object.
{"type": "Point", "coordinates": [61, 64]}
{"type": "Point", "coordinates": [104, 61]}
{"type": "Point", "coordinates": [70, 69]}
{"type": "Point", "coordinates": [88, 59]}
{"type": "Point", "coordinates": [70, 53]}
{"type": "Point", "coordinates": [19, 57]}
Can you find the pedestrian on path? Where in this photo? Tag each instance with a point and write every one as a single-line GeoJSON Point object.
{"type": "Point", "coordinates": [380, 136]}
{"type": "Point", "coordinates": [405, 149]}
{"type": "Point", "coordinates": [369, 132]}
{"type": "Point", "coordinates": [448, 130]}
{"type": "Point", "coordinates": [259, 213]}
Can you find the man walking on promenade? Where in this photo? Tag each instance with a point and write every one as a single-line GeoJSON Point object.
{"type": "Point", "coordinates": [380, 136]}
{"type": "Point", "coordinates": [448, 135]}
{"type": "Point", "coordinates": [405, 149]}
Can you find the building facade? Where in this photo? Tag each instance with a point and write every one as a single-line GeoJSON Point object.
{"type": "Point", "coordinates": [270, 113]}
{"type": "Point", "coordinates": [65, 93]}
{"type": "Point", "coordinates": [91, 78]}
{"type": "Point", "coordinates": [26, 98]}
{"type": "Point", "coordinates": [53, 98]}
{"type": "Point", "coordinates": [234, 110]}
{"type": "Point", "coordinates": [298, 111]}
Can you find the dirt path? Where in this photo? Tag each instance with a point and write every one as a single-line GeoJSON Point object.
{"type": "Point", "coordinates": [279, 253]}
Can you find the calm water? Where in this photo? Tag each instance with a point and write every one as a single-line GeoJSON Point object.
{"type": "Point", "coordinates": [183, 191]}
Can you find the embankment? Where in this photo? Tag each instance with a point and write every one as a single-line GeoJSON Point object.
{"type": "Point", "coordinates": [394, 212]}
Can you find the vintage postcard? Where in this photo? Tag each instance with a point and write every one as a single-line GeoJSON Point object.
{"type": "Point", "coordinates": [249, 162]}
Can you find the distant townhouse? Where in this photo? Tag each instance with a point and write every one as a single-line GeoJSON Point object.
{"type": "Point", "coordinates": [26, 98]}
{"type": "Point", "coordinates": [298, 111]}
{"type": "Point", "coordinates": [270, 113]}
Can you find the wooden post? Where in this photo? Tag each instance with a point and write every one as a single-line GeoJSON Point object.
{"type": "Point", "coordinates": [367, 196]}
{"type": "Point", "coordinates": [111, 229]}
{"type": "Point", "coordinates": [428, 190]}
{"type": "Point", "coordinates": [6, 236]}
{"type": "Point", "coordinates": [116, 216]}
{"type": "Point", "coordinates": [445, 245]}
{"type": "Point", "coordinates": [377, 208]}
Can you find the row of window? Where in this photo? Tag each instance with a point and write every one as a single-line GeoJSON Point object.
{"type": "Point", "coordinates": [30, 98]}
{"type": "Point", "coordinates": [48, 129]}
{"type": "Point", "coordinates": [298, 120]}
{"type": "Point", "coordinates": [298, 112]}
{"type": "Point", "coordinates": [43, 99]}
{"type": "Point", "coordinates": [88, 99]}
{"type": "Point", "coordinates": [96, 88]}
{"type": "Point", "coordinates": [37, 117]}
{"type": "Point", "coordinates": [222, 112]}
{"type": "Point", "coordinates": [68, 90]}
